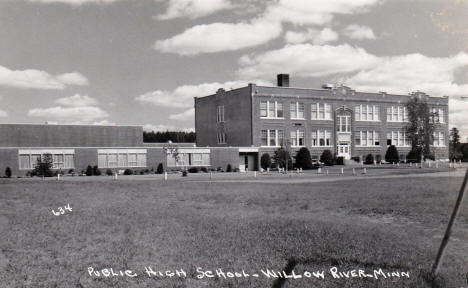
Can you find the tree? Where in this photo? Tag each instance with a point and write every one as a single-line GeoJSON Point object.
{"type": "Point", "coordinates": [369, 159]}
{"type": "Point", "coordinates": [281, 156]}
{"type": "Point", "coordinates": [454, 145]}
{"type": "Point", "coordinates": [421, 126]}
{"type": "Point", "coordinates": [96, 171]}
{"type": "Point", "coordinates": [44, 166]}
{"type": "Point", "coordinates": [265, 161]}
{"type": "Point", "coordinates": [173, 151]}
{"type": "Point", "coordinates": [89, 171]}
{"type": "Point", "coordinates": [326, 158]}
{"type": "Point", "coordinates": [303, 159]}
{"type": "Point", "coordinates": [8, 172]}
{"type": "Point", "coordinates": [392, 155]}
{"type": "Point", "coordinates": [160, 169]}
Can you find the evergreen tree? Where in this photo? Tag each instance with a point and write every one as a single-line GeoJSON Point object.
{"type": "Point", "coordinates": [421, 126]}
{"type": "Point", "coordinates": [303, 159]}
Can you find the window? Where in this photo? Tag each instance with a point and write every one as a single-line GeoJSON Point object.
{"type": "Point", "coordinates": [397, 114]}
{"type": "Point", "coordinates": [121, 158]}
{"type": "Point", "coordinates": [437, 115]}
{"type": "Point", "coordinates": [320, 111]}
{"type": "Point", "coordinates": [297, 138]}
{"type": "Point", "coordinates": [367, 138]}
{"type": "Point", "coordinates": [397, 138]}
{"type": "Point", "coordinates": [321, 138]}
{"type": "Point", "coordinates": [344, 123]}
{"type": "Point", "coordinates": [297, 110]}
{"type": "Point", "coordinates": [367, 113]}
{"type": "Point", "coordinates": [220, 115]}
{"type": "Point", "coordinates": [271, 109]}
{"type": "Point", "coordinates": [221, 138]}
{"type": "Point", "coordinates": [438, 139]}
{"type": "Point", "coordinates": [272, 137]}
{"type": "Point", "coordinates": [189, 157]}
{"type": "Point", "coordinates": [61, 158]}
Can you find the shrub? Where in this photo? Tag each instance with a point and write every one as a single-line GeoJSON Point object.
{"type": "Point", "coordinates": [128, 172]}
{"type": "Point", "coordinates": [204, 169]}
{"type": "Point", "coordinates": [229, 168]}
{"type": "Point", "coordinates": [356, 159]}
{"type": "Point", "coordinates": [71, 171]}
{"type": "Point", "coordinates": [281, 156]}
{"type": "Point", "coordinates": [89, 171]}
{"type": "Point", "coordinates": [236, 169]}
{"type": "Point", "coordinates": [369, 159]}
{"type": "Point", "coordinates": [429, 157]}
{"type": "Point", "coordinates": [96, 171]}
{"type": "Point", "coordinates": [44, 166]}
{"type": "Point", "coordinates": [8, 172]}
{"type": "Point", "coordinates": [392, 155]}
{"type": "Point", "coordinates": [109, 172]}
{"type": "Point", "coordinates": [160, 169]}
{"type": "Point", "coordinates": [326, 158]}
{"type": "Point", "coordinates": [219, 169]}
{"type": "Point", "coordinates": [193, 170]}
{"type": "Point", "coordinates": [339, 160]}
{"type": "Point", "coordinates": [303, 159]}
{"type": "Point", "coordinates": [184, 173]}
{"type": "Point", "coordinates": [265, 161]}
{"type": "Point", "coordinates": [414, 156]}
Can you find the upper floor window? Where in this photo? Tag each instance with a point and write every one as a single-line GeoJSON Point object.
{"type": "Point", "coordinates": [271, 109]}
{"type": "Point", "coordinates": [272, 137]}
{"type": "Point", "coordinates": [320, 111]}
{"type": "Point", "coordinates": [367, 113]}
{"type": "Point", "coordinates": [438, 139]}
{"type": "Point", "coordinates": [297, 138]}
{"type": "Point", "coordinates": [397, 114]}
{"type": "Point", "coordinates": [321, 138]}
{"type": "Point", "coordinates": [343, 123]}
{"type": "Point", "coordinates": [367, 138]}
{"type": "Point", "coordinates": [220, 114]}
{"type": "Point", "coordinates": [297, 110]}
{"type": "Point", "coordinates": [398, 138]}
{"type": "Point", "coordinates": [437, 115]}
{"type": "Point", "coordinates": [222, 138]}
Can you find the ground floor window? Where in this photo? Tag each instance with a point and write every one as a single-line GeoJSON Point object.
{"type": "Point", "coordinates": [297, 138]}
{"type": "Point", "coordinates": [398, 138]}
{"type": "Point", "coordinates": [185, 158]}
{"type": "Point", "coordinates": [367, 138]}
{"type": "Point", "coordinates": [438, 139]}
{"type": "Point", "coordinates": [272, 137]}
{"type": "Point", "coordinates": [119, 158]}
{"type": "Point", "coordinates": [321, 138]}
{"type": "Point", "coordinates": [61, 158]}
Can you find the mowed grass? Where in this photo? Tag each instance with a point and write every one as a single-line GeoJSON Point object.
{"type": "Point", "coordinates": [393, 224]}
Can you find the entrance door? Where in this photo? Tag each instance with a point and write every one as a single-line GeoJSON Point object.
{"type": "Point", "coordinates": [344, 151]}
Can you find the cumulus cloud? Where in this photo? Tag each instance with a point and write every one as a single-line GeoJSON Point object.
{"type": "Point", "coordinates": [182, 96]}
{"type": "Point", "coordinates": [3, 113]}
{"type": "Point", "coordinates": [37, 79]}
{"type": "Point", "coordinates": [186, 115]}
{"type": "Point", "coordinates": [307, 60]}
{"type": "Point", "coordinates": [76, 100]}
{"type": "Point", "coordinates": [193, 8]}
{"type": "Point", "coordinates": [217, 37]}
{"type": "Point", "coordinates": [458, 116]}
{"type": "Point", "coordinates": [69, 114]}
{"type": "Point", "coordinates": [317, 37]}
{"type": "Point", "coordinates": [407, 73]}
{"type": "Point", "coordinates": [359, 32]}
{"type": "Point", "coordinates": [74, 2]}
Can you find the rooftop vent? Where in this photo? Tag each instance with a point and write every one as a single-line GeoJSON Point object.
{"type": "Point", "coordinates": [283, 80]}
{"type": "Point", "coordinates": [328, 86]}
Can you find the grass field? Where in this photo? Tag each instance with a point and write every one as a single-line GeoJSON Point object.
{"type": "Point", "coordinates": [395, 224]}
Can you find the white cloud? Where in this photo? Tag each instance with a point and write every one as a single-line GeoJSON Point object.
{"type": "Point", "coordinates": [77, 100]}
{"type": "Point", "coordinates": [37, 79]}
{"type": "Point", "coordinates": [317, 12]}
{"type": "Point", "coordinates": [182, 96]}
{"type": "Point", "coordinates": [359, 32]}
{"type": "Point", "coordinates": [306, 60]}
{"type": "Point", "coordinates": [162, 127]}
{"type": "Point", "coordinates": [75, 2]}
{"type": "Point", "coordinates": [458, 116]}
{"type": "Point", "coordinates": [3, 113]}
{"type": "Point", "coordinates": [193, 8]}
{"type": "Point", "coordinates": [69, 114]}
{"type": "Point", "coordinates": [412, 72]}
{"type": "Point", "coordinates": [217, 37]}
{"type": "Point", "coordinates": [186, 115]}
{"type": "Point", "coordinates": [315, 36]}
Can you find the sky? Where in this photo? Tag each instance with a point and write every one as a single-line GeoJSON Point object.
{"type": "Point", "coordinates": [141, 62]}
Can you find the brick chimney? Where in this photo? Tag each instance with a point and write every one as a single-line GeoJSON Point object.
{"type": "Point", "coordinates": [283, 80]}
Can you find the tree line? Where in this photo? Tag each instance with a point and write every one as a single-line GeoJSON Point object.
{"type": "Point", "coordinates": [166, 136]}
